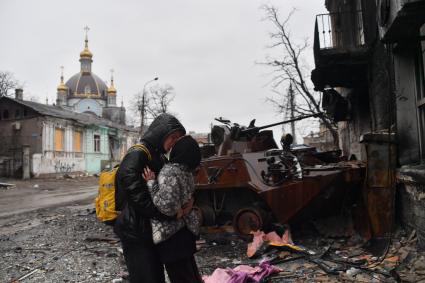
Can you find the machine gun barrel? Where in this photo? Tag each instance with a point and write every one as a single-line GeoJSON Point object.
{"type": "Point", "coordinates": [280, 123]}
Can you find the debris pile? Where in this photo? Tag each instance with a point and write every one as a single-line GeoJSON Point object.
{"type": "Point", "coordinates": [315, 258]}
{"type": "Point", "coordinates": [59, 245]}
{"type": "Point", "coordinates": [68, 244]}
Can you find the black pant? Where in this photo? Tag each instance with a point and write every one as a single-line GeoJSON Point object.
{"type": "Point", "coordinates": [143, 262]}
{"type": "Point", "coordinates": [183, 271]}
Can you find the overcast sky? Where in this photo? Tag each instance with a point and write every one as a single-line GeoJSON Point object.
{"type": "Point", "coordinates": [205, 49]}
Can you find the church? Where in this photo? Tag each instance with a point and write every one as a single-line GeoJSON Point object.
{"type": "Point", "coordinates": [85, 92]}
{"type": "Point", "coordinates": [83, 132]}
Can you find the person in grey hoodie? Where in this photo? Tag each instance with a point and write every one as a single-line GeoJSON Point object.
{"type": "Point", "coordinates": [174, 187]}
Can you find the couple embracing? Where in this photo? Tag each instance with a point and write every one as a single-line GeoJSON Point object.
{"type": "Point", "coordinates": [157, 225]}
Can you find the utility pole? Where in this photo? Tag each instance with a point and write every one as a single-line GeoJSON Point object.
{"type": "Point", "coordinates": [291, 109]}
{"type": "Point", "coordinates": [142, 115]}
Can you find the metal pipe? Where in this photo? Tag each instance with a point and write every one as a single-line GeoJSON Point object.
{"type": "Point", "coordinates": [290, 120]}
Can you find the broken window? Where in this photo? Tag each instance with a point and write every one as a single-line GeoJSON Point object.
{"type": "Point", "coordinates": [78, 141]}
{"type": "Point", "coordinates": [59, 139]}
{"type": "Point", "coordinates": [96, 139]}
{"type": "Point", "coordinates": [420, 102]}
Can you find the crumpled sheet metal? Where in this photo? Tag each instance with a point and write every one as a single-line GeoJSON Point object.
{"type": "Point", "coordinates": [242, 273]}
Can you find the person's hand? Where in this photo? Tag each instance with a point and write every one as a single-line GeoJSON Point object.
{"type": "Point", "coordinates": [148, 174]}
{"type": "Point", "coordinates": [179, 213]}
{"type": "Point", "coordinates": [188, 206]}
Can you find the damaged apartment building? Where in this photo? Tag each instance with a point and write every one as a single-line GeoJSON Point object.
{"type": "Point", "coordinates": [370, 66]}
{"type": "Point", "coordinates": [84, 131]}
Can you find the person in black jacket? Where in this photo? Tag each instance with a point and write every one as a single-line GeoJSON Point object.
{"type": "Point", "coordinates": [133, 200]}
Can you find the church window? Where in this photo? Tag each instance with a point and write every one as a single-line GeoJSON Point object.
{"type": "Point", "coordinates": [87, 89]}
{"type": "Point", "coordinates": [59, 139]}
{"type": "Point", "coordinates": [96, 140]}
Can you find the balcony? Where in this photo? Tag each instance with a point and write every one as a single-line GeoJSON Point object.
{"type": "Point", "coordinates": [340, 50]}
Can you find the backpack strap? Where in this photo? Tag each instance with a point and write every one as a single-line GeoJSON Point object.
{"type": "Point", "coordinates": [143, 148]}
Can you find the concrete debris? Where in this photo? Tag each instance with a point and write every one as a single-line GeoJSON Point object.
{"type": "Point", "coordinates": [7, 186]}
{"type": "Point", "coordinates": [69, 176]}
{"type": "Point", "coordinates": [68, 244]}
{"type": "Point", "coordinates": [60, 249]}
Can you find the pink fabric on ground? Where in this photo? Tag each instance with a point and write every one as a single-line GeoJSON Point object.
{"type": "Point", "coordinates": [274, 237]}
{"type": "Point", "coordinates": [219, 275]}
{"type": "Point", "coordinates": [256, 243]}
{"type": "Point", "coordinates": [242, 274]}
{"type": "Point", "coordinates": [260, 238]}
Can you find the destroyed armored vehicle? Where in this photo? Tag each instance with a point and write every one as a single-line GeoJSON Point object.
{"type": "Point", "coordinates": [251, 183]}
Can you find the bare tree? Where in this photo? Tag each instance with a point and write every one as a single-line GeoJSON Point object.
{"type": "Point", "coordinates": [7, 83]}
{"type": "Point", "coordinates": [288, 69]}
{"type": "Point", "coordinates": [157, 101]}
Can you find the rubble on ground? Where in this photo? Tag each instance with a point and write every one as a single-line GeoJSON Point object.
{"type": "Point", "coordinates": [59, 245]}
{"type": "Point", "coordinates": [68, 244]}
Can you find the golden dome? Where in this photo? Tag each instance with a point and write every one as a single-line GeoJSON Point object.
{"type": "Point", "coordinates": [86, 53]}
{"type": "Point", "coordinates": [112, 90]}
{"type": "Point", "coordinates": [62, 87]}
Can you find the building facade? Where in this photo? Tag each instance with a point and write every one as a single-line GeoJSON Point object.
{"type": "Point", "coordinates": [401, 27]}
{"type": "Point", "coordinates": [322, 140]}
{"type": "Point", "coordinates": [59, 140]}
{"type": "Point", "coordinates": [369, 58]}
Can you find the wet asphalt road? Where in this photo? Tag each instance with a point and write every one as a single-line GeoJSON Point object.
{"type": "Point", "coordinates": [36, 194]}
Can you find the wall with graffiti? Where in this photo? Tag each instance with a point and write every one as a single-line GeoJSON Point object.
{"type": "Point", "coordinates": [56, 165]}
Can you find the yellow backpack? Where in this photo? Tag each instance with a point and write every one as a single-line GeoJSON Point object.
{"type": "Point", "coordinates": [105, 200]}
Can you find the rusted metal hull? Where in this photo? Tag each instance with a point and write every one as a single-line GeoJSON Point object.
{"type": "Point", "coordinates": [287, 200]}
{"type": "Point", "coordinates": [239, 176]}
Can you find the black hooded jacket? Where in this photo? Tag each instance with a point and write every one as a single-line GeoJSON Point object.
{"type": "Point", "coordinates": [131, 194]}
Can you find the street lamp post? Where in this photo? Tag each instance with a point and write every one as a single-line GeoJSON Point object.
{"type": "Point", "coordinates": [142, 107]}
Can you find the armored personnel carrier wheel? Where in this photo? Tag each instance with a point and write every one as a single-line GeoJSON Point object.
{"type": "Point", "coordinates": [206, 214]}
{"type": "Point", "coordinates": [249, 219]}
